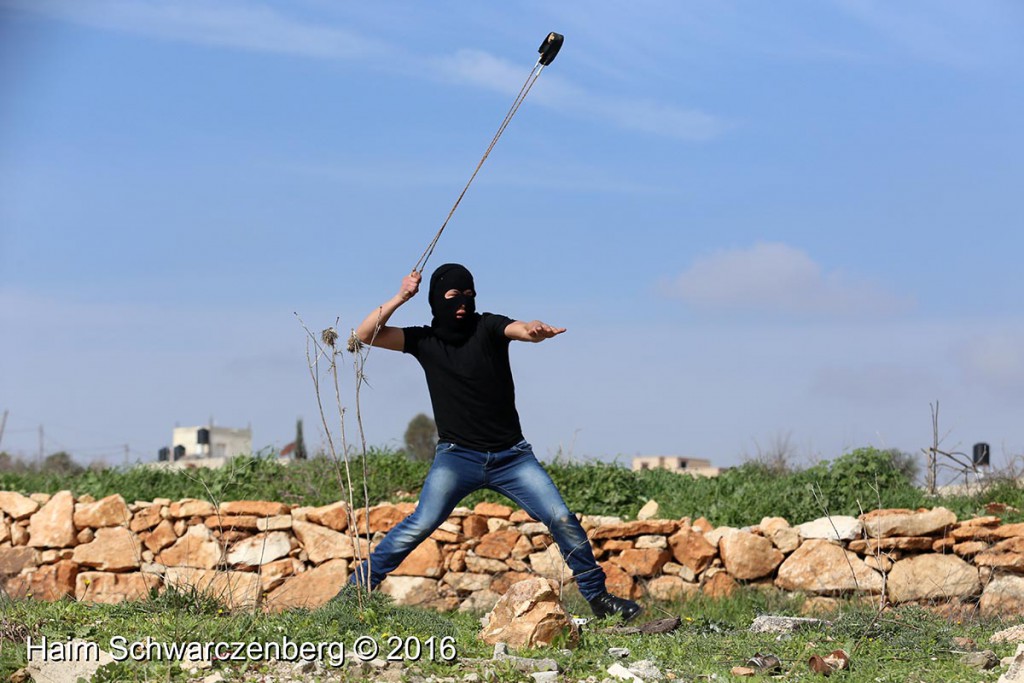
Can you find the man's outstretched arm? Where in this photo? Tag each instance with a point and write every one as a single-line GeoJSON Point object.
{"type": "Point", "coordinates": [534, 331]}
{"type": "Point", "coordinates": [375, 330]}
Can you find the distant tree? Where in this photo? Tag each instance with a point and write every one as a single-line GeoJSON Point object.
{"type": "Point", "coordinates": [904, 463]}
{"type": "Point", "coordinates": [61, 463]}
{"type": "Point", "coordinates": [300, 444]}
{"type": "Point", "coordinates": [421, 438]}
{"type": "Point", "coordinates": [5, 461]}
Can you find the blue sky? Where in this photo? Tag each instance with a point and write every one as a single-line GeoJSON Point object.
{"type": "Point", "coordinates": [756, 220]}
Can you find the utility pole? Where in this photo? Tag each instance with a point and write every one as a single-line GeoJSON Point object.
{"type": "Point", "coordinates": [3, 423]}
{"type": "Point", "coordinates": [126, 449]}
{"type": "Point", "coordinates": [40, 460]}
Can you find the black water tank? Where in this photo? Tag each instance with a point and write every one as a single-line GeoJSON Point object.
{"type": "Point", "coordinates": [980, 455]}
{"type": "Point", "coordinates": [203, 436]}
{"type": "Point", "coordinates": [179, 452]}
{"type": "Point", "coordinates": [164, 454]}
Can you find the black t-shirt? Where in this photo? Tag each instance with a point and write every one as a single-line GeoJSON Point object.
{"type": "Point", "coordinates": [471, 388]}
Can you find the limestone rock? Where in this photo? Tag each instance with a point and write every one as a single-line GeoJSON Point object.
{"type": "Point", "coordinates": [619, 581]}
{"type": "Point", "coordinates": [160, 537]}
{"type": "Point", "coordinates": [260, 549]}
{"type": "Point", "coordinates": [969, 548]}
{"type": "Point", "coordinates": [818, 566]}
{"type": "Point", "coordinates": [17, 506]}
{"type": "Point", "coordinates": [649, 510]}
{"type": "Point", "coordinates": [196, 548]}
{"type": "Point", "coordinates": [498, 545]}
{"type": "Point", "coordinates": [424, 560]}
{"type": "Point", "coordinates": [1013, 634]}
{"type": "Point", "coordinates": [322, 544]}
{"type": "Point", "coordinates": [232, 522]}
{"type": "Point", "coordinates": [652, 541]}
{"type": "Point", "coordinates": [642, 561]}
{"type": "Point", "coordinates": [382, 517]}
{"type": "Point", "coordinates": [274, 523]}
{"type": "Point", "coordinates": [110, 589]}
{"type": "Point", "coordinates": [5, 531]}
{"type": "Point", "coordinates": [715, 535]}
{"type": "Point", "coordinates": [884, 523]}
{"type": "Point", "coordinates": [492, 510]}
{"type": "Point", "coordinates": [480, 601]}
{"type": "Point", "coordinates": [474, 526]}
{"type": "Point", "coordinates": [502, 582]}
{"type": "Point", "coordinates": [719, 585]}
{"type": "Point", "coordinates": [497, 523]}
{"type": "Point", "coordinates": [747, 556]}
{"type": "Point", "coordinates": [549, 564]}
{"type": "Point", "coordinates": [255, 508]}
{"type": "Point", "coordinates": [836, 528]}
{"type": "Point", "coordinates": [409, 590]}
{"type": "Point", "coordinates": [19, 534]}
{"type": "Point", "coordinates": [691, 549]}
{"type": "Point", "coordinates": [769, 526]}
{"type": "Point", "coordinates": [768, 623]}
{"type": "Point", "coordinates": [109, 511]}
{"type": "Point", "coordinates": [273, 573]}
{"type": "Point", "coordinates": [83, 661]}
{"type": "Point", "coordinates": [309, 589]}
{"type": "Point", "coordinates": [236, 590]}
{"type": "Point", "coordinates": [147, 518]}
{"type": "Point", "coordinates": [483, 565]}
{"type": "Point", "coordinates": [931, 576]}
{"type": "Point", "coordinates": [191, 507]}
{"type": "Point", "coordinates": [997, 560]}
{"type": "Point", "coordinates": [683, 572]}
{"type": "Point", "coordinates": [786, 540]}
{"type": "Point", "coordinates": [640, 527]}
{"type": "Point", "coordinates": [529, 615]}
{"type": "Point", "coordinates": [520, 516]}
{"type": "Point", "coordinates": [49, 582]}
{"type": "Point", "coordinates": [114, 549]}
{"type": "Point", "coordinates": [52, 526]}
{"type": "Point", "coordinates": [1003, 596]}
{"type": "Point", "coordinates": [333, 516]}
{"type": "Point", "coordinates": [871, 546]}
{"type": "Point", "coordinates": [14, 560]}
{"type": "Point", "coordinates": [671, 588]}
{"type": "Point", "coordinates": [465, 582]}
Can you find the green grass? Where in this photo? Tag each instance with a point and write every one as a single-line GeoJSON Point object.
{"type": "Point", "coordinates": [860, 480]}
{"type": "Point", "coordinates": [908, 644]}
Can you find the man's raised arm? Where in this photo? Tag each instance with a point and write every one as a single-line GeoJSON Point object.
{"type": "Point", "coordinates": [534, 331]}
{"type": "Point", "coordinates": [374, 329]}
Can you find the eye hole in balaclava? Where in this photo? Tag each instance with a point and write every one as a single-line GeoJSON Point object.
{"type": "Point", "coordinates": [445, 324]}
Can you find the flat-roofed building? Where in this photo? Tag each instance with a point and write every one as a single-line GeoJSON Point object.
{"type": "Point", "coordinates": [698, 467]}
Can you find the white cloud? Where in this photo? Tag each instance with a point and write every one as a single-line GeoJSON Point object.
{"type": "Point", "coordinates": [777, 278]}
{"type": "Point", "coordinates": [225, 23]}
{"type": "Point", "coordinates": [258, 27]}
{"type": "Point", "coordinates": [487, 71]}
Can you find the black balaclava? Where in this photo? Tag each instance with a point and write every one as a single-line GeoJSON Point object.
{"type": "Point", "coordinates": [445, 324]}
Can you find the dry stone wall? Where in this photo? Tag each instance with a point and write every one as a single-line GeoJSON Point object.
{"type": "Point", "coordinates": [273, 556]}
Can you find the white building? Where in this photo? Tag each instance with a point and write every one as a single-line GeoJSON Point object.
{"type": "Point", "coordinates": [698, 467]}
{"type": "Point", "coordinates": [206, 446]}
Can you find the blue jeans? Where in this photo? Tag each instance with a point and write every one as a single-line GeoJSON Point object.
{"type": "Point", "coordinates": [514, 473]}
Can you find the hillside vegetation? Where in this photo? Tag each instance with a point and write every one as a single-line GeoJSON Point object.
{"type": "Point", "coordinates": [857, 481]}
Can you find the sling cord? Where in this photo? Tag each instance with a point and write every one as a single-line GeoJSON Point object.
{"type": "Point", "coordinates": [523, 92]}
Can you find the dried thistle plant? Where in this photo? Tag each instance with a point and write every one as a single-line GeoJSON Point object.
{"type": "Point", "coordinates": [354, 345]}
{"type": "Point", "coordinates": [329, 336]}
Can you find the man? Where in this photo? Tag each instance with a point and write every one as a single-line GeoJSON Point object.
{"type": "Point", "coordinates": [465, 358]}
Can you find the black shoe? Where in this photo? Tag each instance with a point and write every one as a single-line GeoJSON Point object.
{"type": "Point", "coordinates": [607, 604]}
